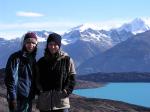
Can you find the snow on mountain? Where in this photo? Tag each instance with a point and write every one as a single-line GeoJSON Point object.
{"type": "Point", "coordinates": [86, 33]}
{"type": "Point", "coordinates": [76, 33]}
{"type": "Point", "coordinates": [138, 25]}
{"type": "Point", "coordinates": [118, 36]}
{"type": "Point", "coordinates": [71, 37]}
{"type": "Point", "coordinates": [95, 39]}
{"type": "Point", "coordinates": [87, 43]}
{"type": "Point", "coordinates": [42, 35]}
{"type": "Point", "coordinates": [147, 21]}
{"type": "Point", "coordinates": [84, 27]}
{"type": "Point", "coordinates": [87, 40]}
{"type": "Point", "coordinates": [6, 48]}
{"type": "Point", "coordinates": [128, 56]}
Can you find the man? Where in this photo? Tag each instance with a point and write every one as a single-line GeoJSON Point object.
{"type": "Point", "coordinates": [20, 75]}
{"type": "Point", "coordinates": [56, 77]}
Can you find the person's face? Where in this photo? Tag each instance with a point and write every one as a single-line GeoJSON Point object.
{"type": "Point", "coordinates": [53, 47]}
{"type": "Point", "coordinates": [30, 46]}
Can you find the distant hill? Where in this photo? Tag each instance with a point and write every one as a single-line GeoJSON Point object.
{"type": "Point", "coordinates": [116, 77]}
{"type": "Point", "coordinates": [83, 84]}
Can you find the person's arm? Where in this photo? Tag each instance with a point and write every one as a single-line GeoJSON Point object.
{"type": "Point", "coordinates": [11, 78]}
{"type": "Point", "coordinates": [38, 84]}
{"type": "Point", "coordinates": [70, 82]}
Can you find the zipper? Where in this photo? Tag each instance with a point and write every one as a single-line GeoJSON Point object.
{"type": "Point", "coordinates": [51, 99]}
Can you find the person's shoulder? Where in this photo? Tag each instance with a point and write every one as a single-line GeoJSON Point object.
{"type": "Point", "coordinates": [69, 58]}
{"type": "Point", "coordinates": [15, 54]}
{"type": "Point", "coordinates": [14, 57]}
{"type": "Point", "coordinates": [64, 55]}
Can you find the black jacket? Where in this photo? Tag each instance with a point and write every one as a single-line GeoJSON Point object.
{"type": "Point", "coordinates": [57, 73]}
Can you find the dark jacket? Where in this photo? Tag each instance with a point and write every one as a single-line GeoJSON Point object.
{"type": "Point", "coordinates": [55, 75]}
{"type": "Point", "coordinates": [20, 75]}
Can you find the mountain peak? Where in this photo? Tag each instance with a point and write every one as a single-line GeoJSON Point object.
{"type": "Point", "coordinates": [137, 25]}
{"type": "Point", "coordinates": [42, 35]}
{"type": "Point", "coordinates": [138, 20]}
{"type": "Point", "coordinates": [84, 27]}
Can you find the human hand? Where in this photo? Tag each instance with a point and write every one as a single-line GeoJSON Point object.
{"type": "Point", "coordinates": [13, 105]}
{"type": "Point", "coordinates": [65, 92]}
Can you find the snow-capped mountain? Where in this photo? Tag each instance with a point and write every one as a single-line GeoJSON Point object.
{"type": "Point", "coordinates": [138, 25]}
{"type": "Point", "coordinates": [6, 48]}
{"type": "Point", "coordinates": [82, 42]}
{"type": "Point", "coordinates": [118, 36]}
{"type": "Point", "coordinates": [89, 34]}
{"type": "Point", "coordinates": [132, 55]}
{"type": "Point", "coordinates": [86, 43]}
{"type": "Point", "coordinates": [42, 35]}
{"type": "Point", "coordinates": [79, 32]}
{"type": "Point", "coordinates": [84, 27]}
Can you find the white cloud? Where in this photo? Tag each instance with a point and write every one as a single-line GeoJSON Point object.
{"type": "Point", "coordinates": [13, 30]}
{"type": "Point", "coordinates": [11, 35]}
{"type": "Point", "coordinates": [59, 26]}
{"type": "Point", "coordinates": [38, 25]}
{"type": "Point", "coordinates": [108, 24]}
{"type": "Point", "coordinates": [29, 14]}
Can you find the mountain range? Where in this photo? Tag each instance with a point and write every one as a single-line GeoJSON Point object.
{"type": "Point", "coordinates": [130, 55]}
{"type": "Point", "coordinates": [97, 50]}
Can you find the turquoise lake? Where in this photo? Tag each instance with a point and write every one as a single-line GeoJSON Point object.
{"type": "Point", "coordinates": [133, 93]}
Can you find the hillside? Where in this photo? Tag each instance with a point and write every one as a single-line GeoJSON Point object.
{"type": "Point", "coordinates": [116, 77]}
{"type": "Point", "coordinates": [82, 104]}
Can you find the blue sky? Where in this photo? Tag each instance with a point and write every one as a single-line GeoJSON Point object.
{"type": "Point", "coordinates": [20, 16]}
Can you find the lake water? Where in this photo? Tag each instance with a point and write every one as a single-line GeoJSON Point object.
{"type": "Point", "coordinates": [133, 93]}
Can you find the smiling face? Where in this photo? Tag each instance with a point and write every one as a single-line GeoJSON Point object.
{"type": "Point", "coordinates": [53, 47]}
{"type": "Point", "coordinates": [30, 46]}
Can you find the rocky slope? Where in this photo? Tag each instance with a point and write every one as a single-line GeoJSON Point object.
{"type": "Point", "coordinates": [82, 104]}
